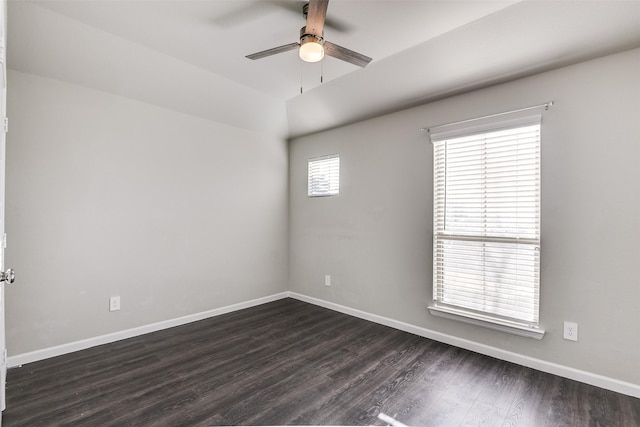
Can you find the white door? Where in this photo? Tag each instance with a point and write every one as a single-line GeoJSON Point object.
{"type": "Point", "coordinates": [3, 276]}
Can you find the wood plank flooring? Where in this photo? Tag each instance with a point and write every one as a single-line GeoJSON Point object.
{"type": "Point", "coordinates": [292, 363]}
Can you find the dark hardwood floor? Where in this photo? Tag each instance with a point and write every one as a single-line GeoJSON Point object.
{"type": "Point", "coordinates": [287, 363]}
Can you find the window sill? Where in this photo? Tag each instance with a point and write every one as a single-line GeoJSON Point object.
{"type": "Point", "coordinates": [487, 322]}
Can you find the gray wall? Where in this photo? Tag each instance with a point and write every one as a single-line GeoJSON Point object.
{"type": "Point", "coordinates": [110, 196]}
{"type": "Point", "coordinates": [178, 215]}
{"type": "Point", "coordinates": [375, 238]}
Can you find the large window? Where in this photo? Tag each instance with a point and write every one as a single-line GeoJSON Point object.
{"type": "Point", "coordinates": [486, 245]}
{"type": "Point", "coordinates": [324, 176]}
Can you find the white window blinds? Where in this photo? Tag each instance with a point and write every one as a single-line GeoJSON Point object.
{"type": "Point", "coordinates": [324, 176]}
{"type": "Point", "coordinates": [486, 245]}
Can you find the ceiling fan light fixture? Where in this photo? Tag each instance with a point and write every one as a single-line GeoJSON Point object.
{"type": "Point", "coordinates": [311, 48]}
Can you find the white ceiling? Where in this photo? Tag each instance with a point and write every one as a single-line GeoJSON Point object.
{"type": "Point", "coordinates": [190, 55]}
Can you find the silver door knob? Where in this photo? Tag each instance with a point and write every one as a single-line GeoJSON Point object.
{"type": "Point", "coordinates": [8, 276]}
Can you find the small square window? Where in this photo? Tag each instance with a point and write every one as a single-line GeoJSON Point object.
{"type": "Point", "coordinates": [324, 176]}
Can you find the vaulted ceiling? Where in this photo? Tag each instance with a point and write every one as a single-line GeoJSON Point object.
{"type": "Point", "coordinates": [190, 55]}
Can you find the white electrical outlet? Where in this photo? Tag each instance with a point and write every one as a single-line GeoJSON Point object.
{"type": "Point", "coordinates": [571, 331]}
{"type": "Point", "coordinates": [114, 303]}
{"type": "Point", "coordinates": [327, 280]}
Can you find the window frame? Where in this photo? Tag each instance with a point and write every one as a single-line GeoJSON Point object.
{"type": "Point", "coordinates": [325, 167]}
{"type": "Point", "coordinates": [465, 314]}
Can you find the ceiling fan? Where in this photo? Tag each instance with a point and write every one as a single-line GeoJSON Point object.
{"type": "Point", "coordinates": [313, 47]}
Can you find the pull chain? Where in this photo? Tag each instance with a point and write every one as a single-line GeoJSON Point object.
{"type": "Point", "coordinates": [300, 78]}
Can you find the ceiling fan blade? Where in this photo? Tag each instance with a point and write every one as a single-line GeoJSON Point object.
{"type": "Point", "coordinates": [338, 25]}
{"type": "Point", "coordinates": [242, 14]}
{"type": "Point", "coordinates": [299, 5]}
{"type": "Point", "coordinates": [345, 54]}
{"type": "Point", "coordinates": [274, 51]}
{"type": "Point", "coordinates": [316, 15]}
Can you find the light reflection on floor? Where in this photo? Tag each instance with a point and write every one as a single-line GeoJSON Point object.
{"type": "Point", "coordinates": [390, 420]}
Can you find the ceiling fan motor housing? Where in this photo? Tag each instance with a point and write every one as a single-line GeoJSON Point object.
{"type": "Point", "coordinates": [309, 38]}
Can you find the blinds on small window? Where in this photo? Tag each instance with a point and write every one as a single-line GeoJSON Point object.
{"type": "Point", "coordinates": [487, 221]}
{"type": "Point", "coordinates": [324, 176]}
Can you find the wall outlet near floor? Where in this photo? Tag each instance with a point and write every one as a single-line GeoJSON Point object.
{"type": "Point", "coordinates": [114, 303]}
{"type": "Point", "coordinates": [327, 280]}
{"type": "Point", "coordinates": [571, 331]}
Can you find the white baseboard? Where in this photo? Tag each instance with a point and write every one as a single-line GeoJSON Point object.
{"type": "Point", "coordinates": [530, 362]}
{"type": "Point", "coordinates": [59, 350]}
{"type": "Point", "coordinates": [541, 365]}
